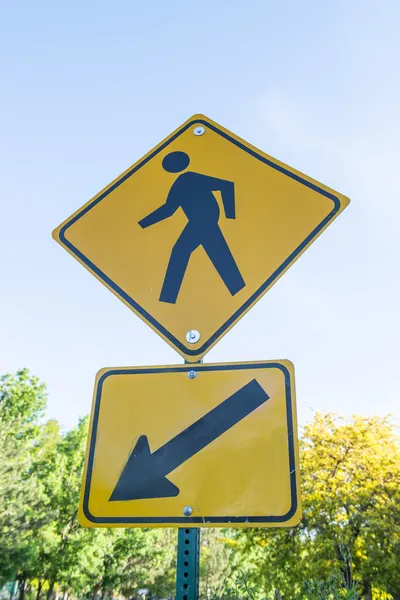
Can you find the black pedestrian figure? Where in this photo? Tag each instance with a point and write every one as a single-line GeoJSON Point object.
{"type": "Point", "coordinates": [194, 193]}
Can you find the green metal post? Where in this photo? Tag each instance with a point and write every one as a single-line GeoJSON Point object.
{"type": "Point", "coordinates": [188, 564]}
{"type": "Point", "coordinates": [188, 561]}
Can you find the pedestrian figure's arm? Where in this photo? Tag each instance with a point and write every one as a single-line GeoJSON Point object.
{"type": "Point", "coordinates": [227, 189]}
{"type": "Point", "coordinates": [161, 213]}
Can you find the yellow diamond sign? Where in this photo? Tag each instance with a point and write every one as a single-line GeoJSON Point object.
{"type": "Point", "coordinates": [201, 445]}
{"type": "Point", "coordinates": [194, 233]}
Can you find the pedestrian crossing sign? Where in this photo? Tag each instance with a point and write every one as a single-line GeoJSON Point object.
{"type": "Point", "coordinates": [196, 231]}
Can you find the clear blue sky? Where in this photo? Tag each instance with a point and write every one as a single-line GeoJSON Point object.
{"type": "Point", "coordinates": [88, 87]}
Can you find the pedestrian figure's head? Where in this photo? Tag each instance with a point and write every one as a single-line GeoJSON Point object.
{"type": "Point", "coordinates": [175, 162]}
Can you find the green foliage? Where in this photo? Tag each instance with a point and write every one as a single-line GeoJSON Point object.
{"type": "Point", "coordinates": [138, 558]}
{"type": "Point", "coordinates": [214, 562]}
{"type": "Point", "coordinates": [338, 586]}
{"type": "Point", "coordinates": [22, 397]}
{"type": "Point", "coordinates": [331, 589]}
{"type": "Point", "coordinates": [22, 401]}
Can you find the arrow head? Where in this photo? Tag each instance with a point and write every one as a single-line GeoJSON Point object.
{"type": "Point", "coordinates": [141, 478]}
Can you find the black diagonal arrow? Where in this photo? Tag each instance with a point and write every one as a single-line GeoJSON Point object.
{"type": "Point", "coordinates": [144, 475]}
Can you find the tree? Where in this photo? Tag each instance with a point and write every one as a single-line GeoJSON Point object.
{"type": "Point", "coordinates": [23, 397]}
{"type": "Point", "coordinates": [18, 496]}
{"type": "Point", "coordinates": [351, 499]}
{"type": "Point", "coordinates": [146, 559]}
{"type": "Point", "coordinates": [68, 553]}
{"type": "Point", "coordinates": [22, 402]}
{"type": "Point", "coordinates": [214, 561]}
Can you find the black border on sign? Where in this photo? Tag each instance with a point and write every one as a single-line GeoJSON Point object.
{"type": "Point", "coordinates": [185, 350]}
{"type": "Point", "coordinates": [194, 520]}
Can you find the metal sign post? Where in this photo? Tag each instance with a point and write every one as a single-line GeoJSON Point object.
{"type": "Point", "coordinates": [188, 561]}
{"type": "Point", "coordinates": [188, 564]}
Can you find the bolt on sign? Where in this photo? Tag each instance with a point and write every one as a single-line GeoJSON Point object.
{"type": "Point", "coordinates": [196, 231]}
{"type": "Point", "coordinates": [201, 445]}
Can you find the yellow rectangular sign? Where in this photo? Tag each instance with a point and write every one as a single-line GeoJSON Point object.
{"type": "Point", "coordinates": [197, 445]}
{"type": "Point", "coordinates": [195, 232]}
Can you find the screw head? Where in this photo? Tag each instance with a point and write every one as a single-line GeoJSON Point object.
{"type": "Point", "coordinates": [192, 336]}
{"type": "Point", "coordinates": [187, 511]}
{"type": "Point", "coordinates": [199, 130]}
{"type": "Point", "coordinates": [192, 374]}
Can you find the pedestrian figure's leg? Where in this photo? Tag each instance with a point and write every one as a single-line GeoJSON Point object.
{"type": "Point", "coordinates": [178, 262]}
{"type": "Point", "coordinates": [220, 255]}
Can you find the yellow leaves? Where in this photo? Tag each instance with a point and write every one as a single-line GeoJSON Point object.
{"type": "Point", "coordinates": [380, 595]}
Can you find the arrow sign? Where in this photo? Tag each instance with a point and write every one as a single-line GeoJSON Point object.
{"type": "Point", "coordinates": [144, 475]}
